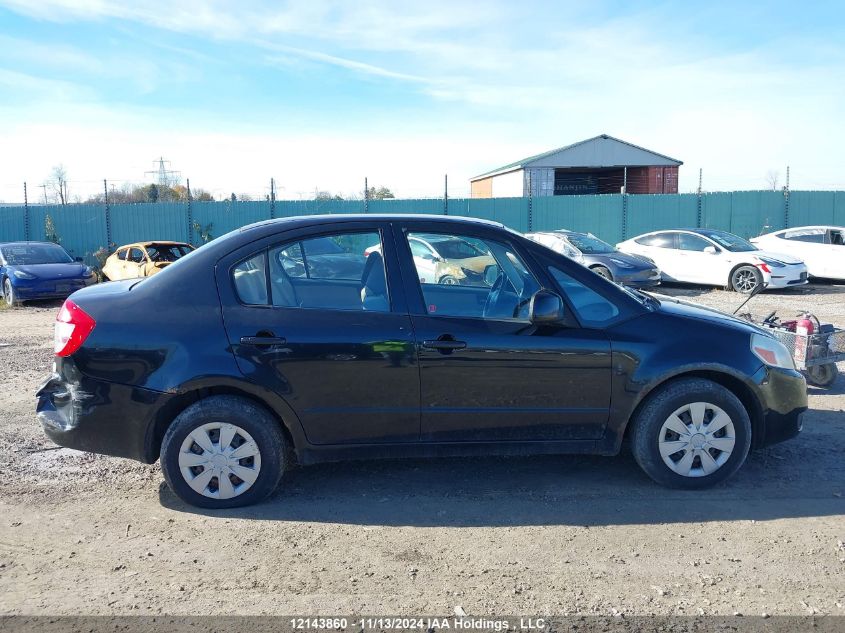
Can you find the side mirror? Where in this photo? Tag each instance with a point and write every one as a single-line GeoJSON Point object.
{"type": "Point", "coordinates": [491, 273]}
{"type": "Point", "coordinates": [711, 250]}
{"type": "Point", "coordinates": [77, 259]}
{"type": "Point", "coordinates": [546, 307]}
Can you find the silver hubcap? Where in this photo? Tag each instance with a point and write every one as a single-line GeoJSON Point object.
{"type": "Point", "coordinates": [745, 280]}
{"type": "Point", "coordinates": [697, 439]}
{"type": "Point", "coordinates": [219, 460]}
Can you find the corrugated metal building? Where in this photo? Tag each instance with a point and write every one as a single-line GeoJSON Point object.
{"type": "Point", "coordinates": [602, 164]}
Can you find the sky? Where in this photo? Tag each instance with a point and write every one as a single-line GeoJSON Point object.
{"type": "Point", "coordinates": [321, 94]}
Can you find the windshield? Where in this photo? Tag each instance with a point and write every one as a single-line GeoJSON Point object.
{"type": "Point", "coordinates": [731, 242]}
{"type": "Point", "coordinates": [167, 252]}
{"type": "Point", "coordinates": [27, 254]}
{"type": "Point", "coordinates": [456, 249]}
{"type": "Point", "coordinates": [588, 244]}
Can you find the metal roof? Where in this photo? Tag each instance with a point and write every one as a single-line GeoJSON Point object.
{"type": "Point", "coordinates": [599, 151]}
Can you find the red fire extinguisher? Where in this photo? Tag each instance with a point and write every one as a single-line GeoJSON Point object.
{"type": "Point", "coordinates": [803, 331]}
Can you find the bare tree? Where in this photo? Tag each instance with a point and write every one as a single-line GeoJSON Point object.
{"type": "Point", "coordinates": [58, 181]}
{"type": "Point", "coordinates": [773, 179]}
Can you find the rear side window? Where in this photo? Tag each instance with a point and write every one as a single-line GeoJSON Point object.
{"type": "Point", "coordinates": [815, 236]}
{"type": "Point", "coordinates": [593, 309]}
{"type": "Point", "coordinates": [250, 278]}
{"type": "Point", "coordinates": [661, 240]}
{"type": "Point", "coordinates": [337, 272]}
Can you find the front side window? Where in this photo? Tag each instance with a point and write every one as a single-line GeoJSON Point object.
{"type": "Point", "coordinates": [690, 242]}
{"type": "Point", "coordinates": [474, 277]}
{"type": "Point", "coordinates": [660, 240]}
{"type": "Point", "coordinates": [592, 308]}
{"type": "Point", "coordinates": [328, 272]}
{"type": "Point", "coordinates": [813, 236]}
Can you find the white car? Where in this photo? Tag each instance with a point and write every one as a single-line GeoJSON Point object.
{"type": "Point", "coordinates": [822, 248]}
{"type": "Point", "coordinates": [716, 258]}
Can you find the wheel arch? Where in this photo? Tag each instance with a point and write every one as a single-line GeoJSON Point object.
{"type": "Point", "coordinates": [732, 383]}
{"type": "Point", "coordinates": [165, 416]}
{"type": "Point", "coordinates": [729, 282]}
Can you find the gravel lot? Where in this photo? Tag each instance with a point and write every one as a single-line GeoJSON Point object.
{"type": "Point", "coordinates": [84, 534]}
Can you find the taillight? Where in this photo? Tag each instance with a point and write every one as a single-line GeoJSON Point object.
{"type": "Point", "coordinates": [73, 326]}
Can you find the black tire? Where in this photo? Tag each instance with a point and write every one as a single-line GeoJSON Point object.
{"type": "Point", "coordinates": [660, 405]}
{"type": "Point", "coordinates": [603, 271]}
{"type": "Point", "coordinates": [745, 279]}
{"type": "Point", "coordinates": [244, 413]}
{"type": "Point", "coordinates": [449, 280]}
{"type": "Point", "coordinates": [9, 294]}
{"type": "Point", "coordinates": [822, 375]}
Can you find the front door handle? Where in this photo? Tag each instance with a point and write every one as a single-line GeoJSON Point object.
{"type": "Point", "coordinates": [262, 341]}
{"type": "Point", "coordinates": [444, 344]}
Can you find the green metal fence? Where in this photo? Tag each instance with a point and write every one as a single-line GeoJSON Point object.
{"type": "Point", "coordinates": [85, 228]}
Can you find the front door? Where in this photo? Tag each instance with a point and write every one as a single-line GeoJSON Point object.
{"type": "Point", "coordinates": [486, 373]}
{"type": "Point", "coordinates": [313, 319]}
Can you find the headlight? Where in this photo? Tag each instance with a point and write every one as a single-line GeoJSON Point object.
{"type": "Point", "coordinates": [771, 351]}
{"type": "Point", "coordinates": [772, 262]}
{"type": "Point", "coordinates": [620, 263]}
{"type": "Point", "coordinates": [23, 275]}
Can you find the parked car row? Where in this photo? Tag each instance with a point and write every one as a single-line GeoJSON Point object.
{"type": "Point", "coordinates": [709, 256]}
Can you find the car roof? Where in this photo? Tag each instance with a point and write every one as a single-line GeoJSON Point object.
{"type": "Point", "coordinates": [824, 227]}
{"type": "Point", "coordinates": [153, 243]}
{"type": "Point", "coordinates": [313, 220]}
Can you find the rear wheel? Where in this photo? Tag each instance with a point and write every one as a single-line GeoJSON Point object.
{"type": "Point", "coordinates": [9, 294]}
{"type": "Point", "coordinates": [745, 279]}
{"type": "Point", "coordinates": [691, 433]}
{"type": "Point", "coordinates": [603, 272]}
{"type": "Point", "coordinates": [223, 452]}
{"type": "Point", "coordinates": [822, 375]}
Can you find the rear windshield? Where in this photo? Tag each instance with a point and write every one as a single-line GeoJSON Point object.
{"type": "Point", "coordinates": [589, 244]}
{"type": "Point", "coordinates": [167, 252]}
{"type": "Point", "coordinates": [27, 254]}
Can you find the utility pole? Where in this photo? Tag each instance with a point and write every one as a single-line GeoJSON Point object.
{"type": "Point", "coordinates": [44, 187]}
{"type": "Point", "coordinates": [530, 195]}
{"type": "Point", "coordinates": [25, 213]}
{"type": "Point", "coordinates": [700, 176]}
{"type": "Point", "coordinates": [165, 177]}
{"type": "Point", "coordinates": [272, 198]}
{"type": "Point", "coordinates": [786, 201]}
{"type": "Point", "coordinates": [108, 214]}
{"type": "Point", "coordinates": [366, 196]}
{"type": "Point", "coordinates": [446, 194]}
{"type": "Point", "coordinates": [189, 214]}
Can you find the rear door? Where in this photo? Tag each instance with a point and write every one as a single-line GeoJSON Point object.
{"type": "Point", "coordinates": [330, 334]}
{"type": "Point", "coordinates": [486, 373]}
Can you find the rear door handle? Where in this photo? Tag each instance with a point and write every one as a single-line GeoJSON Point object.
{"type": "Point", "coordinates": [444, 345]}
{"type": "Point", "coordinates": [261, 341]}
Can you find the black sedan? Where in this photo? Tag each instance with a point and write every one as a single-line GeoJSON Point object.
{"type": "Point", "coordinates": [600, 257]}
{"type": "Point", "coordinates": [248, 367]}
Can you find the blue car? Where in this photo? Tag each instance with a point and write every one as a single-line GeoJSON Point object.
{"type": "Point", "coordinates": [40, 270]}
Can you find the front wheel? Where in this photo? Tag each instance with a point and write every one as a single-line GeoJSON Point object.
{"type": "Point", "coordinates": [691, 433]}
{"type": "Point", "coordinates": [223, 452]}
{"type": "Point", "coordinates": [745, 279]}
{"type": "Point", "coordinates": [9, 294]}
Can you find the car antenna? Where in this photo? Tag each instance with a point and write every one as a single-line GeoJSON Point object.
{"type": "Point", "coordinates": [757, 290]}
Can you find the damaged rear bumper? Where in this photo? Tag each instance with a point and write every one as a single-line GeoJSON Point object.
{"type": "Point", "coordinates": [98, 416]}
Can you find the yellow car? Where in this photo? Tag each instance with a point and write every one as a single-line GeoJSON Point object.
{"type": "Point", "coordinates": [143, 259]}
